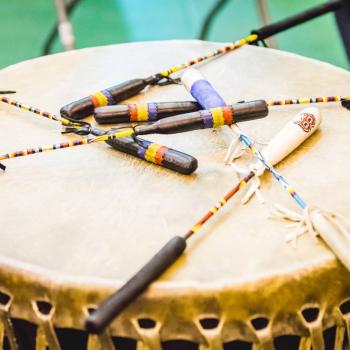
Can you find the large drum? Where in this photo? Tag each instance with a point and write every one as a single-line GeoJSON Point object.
{"type": "Point", "coordinates": [76, 224]}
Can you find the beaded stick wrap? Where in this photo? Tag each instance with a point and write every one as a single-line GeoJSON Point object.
{"type": "Point", "coordinates": [152, 152]}
{"type": "Point", "coordinates": [222, 202]}
{"type": "Point", "coordinates": [36, 110]}
{"type": "Point", "coordinates": [278, 176]}
{"type": "Point", "coordinates": [230, 47]}
{"type": "Point", "coordinates": [218, 116]}
{"type": "Point", "coordinates": [68, 144]}
{"type": "Point", "coordinates": [307, 100]}
{"type": "Point", "coordinates": [105, 98]}
{"type": "Point", "coordinates": [142, 112]}
{"type": "Point", "coordinates": [102, 98]}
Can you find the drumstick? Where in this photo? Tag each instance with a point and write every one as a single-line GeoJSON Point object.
{"type": "Point", "coordinates": [85, 106]}
{"type": "Point", "coordinates": [212, 118]}
{"type": "Point", "coordinates": [152, 152]}
{"type": "Point", "coordinates": [153, 111]}
{"type": "Point", "coordinates": [279, 147]}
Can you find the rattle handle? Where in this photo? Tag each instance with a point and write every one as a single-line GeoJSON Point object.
{"type": "Point", "coordinates": [85, 106]}
{"type": "Point", "coordinates": [117, 302]}
{"type": "Point", "coordinates": [275, 28]}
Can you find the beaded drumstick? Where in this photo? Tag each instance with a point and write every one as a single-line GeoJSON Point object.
{"type": "Point", "coordinates": [85, 106]}
{"type": "Point", "coordinates": [153, 111]}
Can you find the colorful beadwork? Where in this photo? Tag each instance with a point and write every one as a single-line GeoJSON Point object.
{"type": "Point", "coordinates": [56, 146]}
{"type": "Point", "coordinates": [102, 98]}
{"type": "Point", "coordinates": [152, 152]}
{"type": "Point", "coordinates": [142, 112]}
{"type": "Point", "coordinates": [230, 47]}
{"type": "Point", "coordinates": [74, 143]}
{"type": "Point", "coordinates": [245, 139]}
{"type": "Point", "coordinates": [35, 110]}
{"type": "Point", "coordinates": [306, 100]}
{"type": "Point", "coordinates": [213, 210]}
{"type": "Point", "coordinates": [216, 117]}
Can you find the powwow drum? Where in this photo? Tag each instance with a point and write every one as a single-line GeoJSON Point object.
{"type": "Point", "coordinates": [77, 223]}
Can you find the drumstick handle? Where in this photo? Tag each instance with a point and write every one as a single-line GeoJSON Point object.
{"type": "Point", "coordinates": [112, 95]}
{"type": "Point", "coordinates": [117, 302]}
{"type": "Point", "coordinates": [275, 28]}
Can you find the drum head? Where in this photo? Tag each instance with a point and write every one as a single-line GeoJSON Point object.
{"type": "Point", "coordinates": [77, 223]}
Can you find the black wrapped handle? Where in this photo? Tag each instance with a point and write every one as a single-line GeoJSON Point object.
{"type": "Point", "coordinates": [172, 159]}
{"type": "Point", "coordinates": [85, 106]}
{"type": "Point", "coordinates": [121, 113]}
{"type": "Point", "coordinates": [117, 302]}
{"type": "Point", "coordinates": [240, 112]}
{"type": "Point", "coordinates": [275, 28]}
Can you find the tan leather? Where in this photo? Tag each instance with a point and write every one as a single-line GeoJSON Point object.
{"type": "Point", "coordinates": [75, 224]}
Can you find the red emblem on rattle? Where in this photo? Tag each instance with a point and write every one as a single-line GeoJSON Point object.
{"type": "Point", "coordinates": [307, 122]}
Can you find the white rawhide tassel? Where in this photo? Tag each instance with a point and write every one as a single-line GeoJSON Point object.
{"type": "Point", "coordinates": [295, 132]}
{"type": "Point", "coordinates": [333, 228]}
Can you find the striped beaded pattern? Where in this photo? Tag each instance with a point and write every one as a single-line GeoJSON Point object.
{"type": "Point", "coordinates": [306, 100]}
{"type": "Point", "coordinates": [230, 47]}
{"type": "Point", "coordinates": [216, 117]}
{"type": "Point", "coordinates": [245, 139]}
{"type": "Point", "coordinates": [54, 147]}
{"type": "Point", "coordinates": [213, 210]}
{"type": "Point", "coordinates": [152, 152]}
{"type": "Point", "coordinates": [35, 110]}
{"type": "Point", "coordinates": [102, 98]}
{"type": "Point", "coordinates": [142, 112]}
{"type": "Point", "coordinates": [74, 143]}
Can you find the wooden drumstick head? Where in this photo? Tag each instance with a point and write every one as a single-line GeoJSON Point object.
{"type": "Point", "coordinates": [295, 132]}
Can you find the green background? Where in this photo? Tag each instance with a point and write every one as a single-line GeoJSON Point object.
{"type": "Point", "coordinates": [25, 25]}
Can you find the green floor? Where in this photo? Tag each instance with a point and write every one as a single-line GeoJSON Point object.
{"type": "Point", "coordinates": [26, 23]}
